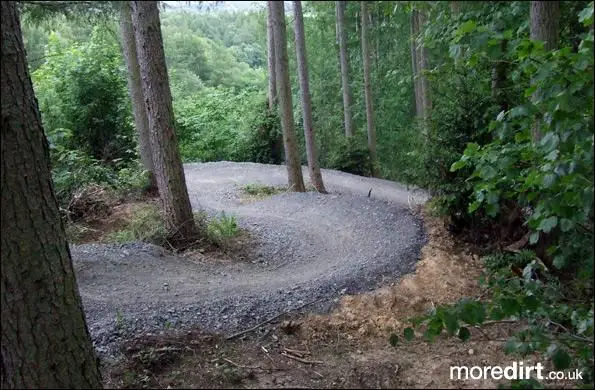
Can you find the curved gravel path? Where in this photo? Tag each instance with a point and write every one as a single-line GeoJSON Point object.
{"type": "Point", "coordinates": [310, 246]}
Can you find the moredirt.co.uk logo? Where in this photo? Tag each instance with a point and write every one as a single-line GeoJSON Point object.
{"type": "Point", "coordinates": [515, 371]}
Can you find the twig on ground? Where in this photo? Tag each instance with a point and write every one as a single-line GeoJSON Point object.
{"type": "Point", "coordinates": [233, 336]}
{"type": "Point", "coordinates": [301, 360]}
{"type": "Point", "coordinates": [241, 365]}
{"type": "Point", "coordinates": [296, 352]}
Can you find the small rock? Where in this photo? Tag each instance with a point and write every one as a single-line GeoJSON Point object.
{"type": "Point", "coordinates": [471, 352]}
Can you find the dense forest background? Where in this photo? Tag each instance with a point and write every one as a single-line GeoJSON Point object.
{"type": "Point", "coordinates": [499, 127]}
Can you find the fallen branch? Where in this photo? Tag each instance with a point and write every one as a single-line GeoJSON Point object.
{"type": "Point", "coordinates": [233, 336]}
{"type": "Point", "coordinates": [301, 360]}
{"type": "Point", "coordinates": [296, 352]}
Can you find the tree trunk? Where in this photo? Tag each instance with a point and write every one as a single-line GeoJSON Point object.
{"type": "Point", "coordinates": [45, 340]}
{"type": "Point", "coordinates": [415, 66]}
{"type": "Point", "coordinates": [545, 22]}
{"type": "Point", "coordinates": [292, 158]}
{"type": "Point", "coordinates": [370, 119]}
{"type": "Point", "coordinates": [499, 80]}
{"type": "Point", "coordinates": [271, 62]}
{"type": "Point", "coordinates": [135, 91]}
{"type": "Point", "coordinates": [302, 64]}
{"type": "Point", "coordinates": [545, 26]}
{"type": "Point", "coordinates": [423, 66]}
{"type": "Point", "coordinates": [344, 60]}
{"type": "Point", "coordinates": [169, 171]}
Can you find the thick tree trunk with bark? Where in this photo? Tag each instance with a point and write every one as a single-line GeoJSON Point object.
{"type": "Point", "coordinates": [45, 340]}
{"type": "Point", "coordinates": [135, 91]}
{"type": "Point", "coordinates": [292, 158]}
{"type": "Point", "coordinates": [302, 63]}
{"type": "Point", "coordinates": [169, 172]}
{"type": "Point", "coordinates": [370, 119]}
{"type": "Point", "coordinates": [344, 60]}
{"type": "Point", "coordinates": [271, 62]}
{"type": "Point", "coordinates": [545, 26]}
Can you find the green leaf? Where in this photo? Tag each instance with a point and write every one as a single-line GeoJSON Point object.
{"type": "Point", "coordinates": [451, 322]}
{"type": "Point", "coordinates": [533, 238]}
{"type": "Point", "coordinates": [566, 224]}
{"type": "Point", "coordinates": [561, 359]}
{"type": "Point", "coordinates": [510, 306]}
{"type": "Point", "coordinates": [464, 333]}
{"type": "Point", "coordinates": [546, 225]}
{"type": "Point", "coordinates": [530, 302]}
{"type": "Point", "coordinates": [458, 165]}
{"type": "Point", "coordinates": [408, 334]}
{"type": "Point", "coordinates": [467, 27]}
{"type": "Point", "coordinates": [586, 15]}
{"type": "Point", "coordinates": [393, 339]}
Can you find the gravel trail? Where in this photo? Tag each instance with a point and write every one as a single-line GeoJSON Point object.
{"type": "Point", "coordinates": [310, 246]}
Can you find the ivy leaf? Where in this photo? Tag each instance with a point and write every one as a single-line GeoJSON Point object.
{"type": "Point", "coordinates": [408, 334]}
{"type": "Point", "coordinates": [546, 225]}
{"type": "Point", "coordinates": [510, 306]}
{"type": "Point", "coordinates": [464, 333]}
{"type": "Point", "coordinates": [566, 224]}
{"type": "Point", "coordinates": [586, 16]}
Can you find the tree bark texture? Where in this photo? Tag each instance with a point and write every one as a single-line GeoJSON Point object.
{"type": "Point", "coordinates": [169, 171]}
{"type": "Point", "coordinates": [302, 65]}
{"type": "Point", "coordinates": [370, 118]}
{"type": "Point", "coordinates": [141, 123]}
{"type": "Point", "coordinates": [344, 60]}
{"type": "Point", "coordinates": [545, 26]}
{"type": "Point", "coordinates": [292, 158]}
{"type": "Point", "coordinates": [271, 62]}
{"type": "Point", "coordinates": [499, 80]}
{"type": "Point", "coordinates": [45, 340]}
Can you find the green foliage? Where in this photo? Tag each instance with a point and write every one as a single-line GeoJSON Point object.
{"type": "Point", "coordinates": [352, 156]}
{"type": "Point", "coordinates": [82, 87]}
{"type": "Point", "coordinates": [221, 229]}
{"type": "Point", "coordinates": [262, 190]}
{"type": "Point", "coordinates": [145, 225]}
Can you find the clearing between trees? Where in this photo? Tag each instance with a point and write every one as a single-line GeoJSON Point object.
{"type": "Point", "coordinates": [302, 247]}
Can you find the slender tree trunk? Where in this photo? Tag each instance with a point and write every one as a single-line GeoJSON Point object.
{"type": "Point", "coordinates": [344, 59]}
{"type": "Point", "coordinates": [424, 66]}
{"type": "Point", "coordinates": [415, 66]}
{"type": "Point", "coordinates": [545, 26]}
{"type": "Point", "coordinates": [45, 340]}
{"type": "Point", "coordinates": [370, 119]}
{"type": "Point", "coordinates": [135, 91]}
{"type": "Point", "coordinates": [164, 144]}
{"type": "Point", "coordinates": [499, 80]}
{"type": "Point", "coordinates": [292, 158]}
{"type": "Point", "coordinates": [271, 62]}
{"type": "Point", "coordinates": [302, 62]}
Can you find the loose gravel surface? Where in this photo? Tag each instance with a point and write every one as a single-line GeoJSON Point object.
{"type": "Point", "coordinates": [309, 246]}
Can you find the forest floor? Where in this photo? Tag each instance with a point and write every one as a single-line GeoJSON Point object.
{"type": "Point", "coordinates": [308, 325]}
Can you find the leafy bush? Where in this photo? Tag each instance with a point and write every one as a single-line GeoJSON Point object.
{"type": "Point", "coordinates": [352, 156]}
{"type": "Point", "coordinates": [82, 88]}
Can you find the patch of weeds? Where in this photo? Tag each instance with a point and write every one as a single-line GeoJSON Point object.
{"type": "Point", "coordinates": [262, 190]}
{"type": "Point", "coordinates": [221, 229]}
{"type": "Point", "coordinates": [145, 225]}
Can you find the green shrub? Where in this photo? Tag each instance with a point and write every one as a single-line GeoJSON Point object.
{"type": "Point", "coordinates": [352, 156]}
{"type": "Point", "coordinates": [145, 225]}
{"type": "Point", "coordinates": [221, 229]}
{"type": "Point", "coordinates": [262, 189]}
